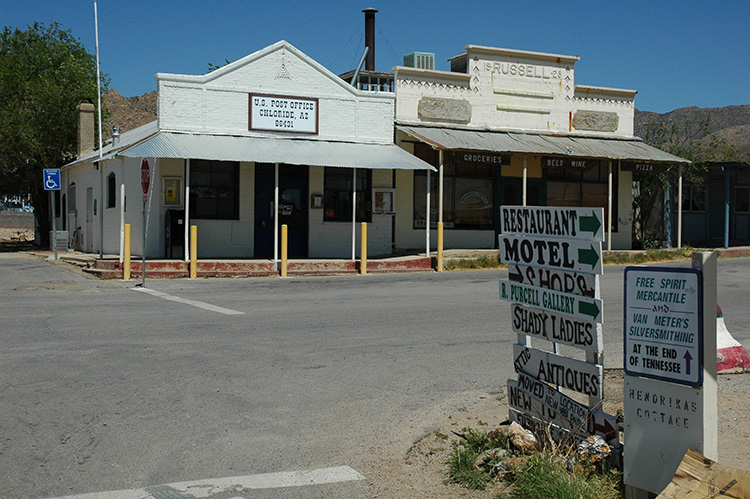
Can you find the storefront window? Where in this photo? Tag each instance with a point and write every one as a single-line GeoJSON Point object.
{"type": "Point", "coordinates": [468, 192]}
{"type": "Point", "coordinates": [694, 198]}
{"type": "Point", "coordinates": [563, 194]}
{"type": "Point", "coordinates": [420, 201]}
{"type": "Point", "coordinates": [337, 198]}
{"type": "Point", "coordinates": [214, 189]}
{"type": "Point", "coordinates": [580, 182]}
{"type": "Point", "coordinates": [473, 203]}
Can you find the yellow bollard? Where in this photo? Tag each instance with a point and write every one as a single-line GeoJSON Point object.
{"type": "Point", "coordinates": [440, 247]}
{"type": "Point", "coordinates": [283, 250]}
{"type": "Point", "coordinates": [193, 251]}
{"type": "Point", "coordinates": [363, 250]}
{"type": "Point", "coordinates": [126, 253]}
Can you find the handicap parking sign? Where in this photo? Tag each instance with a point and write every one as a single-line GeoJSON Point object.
{"type": "Point", "coordinates": [51, 179]}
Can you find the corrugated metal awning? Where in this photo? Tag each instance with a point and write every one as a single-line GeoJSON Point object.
{"type": "Point", "coordinates": [276, 150]}
{"type": "Point", "coordinates": [530, 143]}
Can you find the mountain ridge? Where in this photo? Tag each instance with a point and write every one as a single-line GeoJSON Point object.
{"type": "Point", "coordinates": [731, 123]}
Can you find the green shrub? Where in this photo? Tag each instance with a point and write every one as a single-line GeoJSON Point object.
{"type": "Point", "coordinates": [546, 476]}
{"type": "Point", "coordinates": [478, 263]}
{"type": "Point", "coordinates": [461, 462]}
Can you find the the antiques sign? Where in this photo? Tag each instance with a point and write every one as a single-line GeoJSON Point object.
{"type": "Point", "coordinates": [579, 376]}
{"type": "Point", "coordinates": [283, 114]}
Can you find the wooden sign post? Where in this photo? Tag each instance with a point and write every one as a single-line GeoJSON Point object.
{"type": "Point", "coordinates": [670, 371]}
{"type": "Point", "coordinates": [554, 262]}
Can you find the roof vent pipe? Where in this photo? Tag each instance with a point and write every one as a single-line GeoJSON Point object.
{"type": "Point", "coordinates": [370, 38]}
{"type": "Point", "coordinates": [115, 135]}
{"type": "Point", "coordinates": [355, 78]}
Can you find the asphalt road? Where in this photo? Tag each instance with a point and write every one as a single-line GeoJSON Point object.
{"type": "Point", "coordinates": [106, 388]}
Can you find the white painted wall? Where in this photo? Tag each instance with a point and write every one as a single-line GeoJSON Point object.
{"type": "Point", "coordinates": [513, 89]}
{"type": "Point", "coordinates": [219, 101]}
{"type": "Point", "coordinates": [507, 90]}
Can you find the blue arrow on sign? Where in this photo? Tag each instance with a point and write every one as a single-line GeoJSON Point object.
{"type": "Point", "coordinates": [687, 358]}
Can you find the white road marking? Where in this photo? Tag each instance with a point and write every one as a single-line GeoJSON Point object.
{"type": "Point", "coordinates": [212, 486]}
{"type": "Point", "coordinates": [199, 304]}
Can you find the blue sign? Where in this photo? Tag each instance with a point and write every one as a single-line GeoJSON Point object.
{"type": "Point", "coordinates": [51, 179]}
{"type": "Point", "coordinates": [664, 324]}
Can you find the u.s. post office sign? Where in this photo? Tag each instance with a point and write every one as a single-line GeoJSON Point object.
{"type": "Point", "coordinates": [279, 113]}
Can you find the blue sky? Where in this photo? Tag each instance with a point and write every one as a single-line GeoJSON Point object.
{"type": "Point", "coordinates": [675, 53]}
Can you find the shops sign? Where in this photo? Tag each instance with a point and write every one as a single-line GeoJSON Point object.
{"type": "Point", "coordinates": [575, 283]}
{"type": "Point", "coordinates": [279, 113]}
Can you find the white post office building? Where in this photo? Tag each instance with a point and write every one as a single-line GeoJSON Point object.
{"type": "Point", "coordinates": [271, 139]}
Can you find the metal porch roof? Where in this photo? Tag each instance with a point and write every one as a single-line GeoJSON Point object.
{"type": "Point", "coordinates": [530, 143]}
{"type": "Point", "coordinates": [276, 150]}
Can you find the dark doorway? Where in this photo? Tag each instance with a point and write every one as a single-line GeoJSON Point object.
{"type": "Point", "coordinates": [509, 192]}
{"type": "Point", "coordinates": [293, 211]}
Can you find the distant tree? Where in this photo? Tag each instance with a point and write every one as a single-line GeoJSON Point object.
{"type": "Point", "coordinates": [44, 73]}
{"type": "Point", "coordinates": [692, 141]}
{"type": "Point", "coordinates": [213, 67]}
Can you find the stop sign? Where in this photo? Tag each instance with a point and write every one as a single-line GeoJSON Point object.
{"type": "Point", "coordinates": [145, 178]}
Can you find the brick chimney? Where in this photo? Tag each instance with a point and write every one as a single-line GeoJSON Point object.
{"type": "Point", "coordinates": [370, 38]}
{"type": "Point", "coordinates": [86, 122]}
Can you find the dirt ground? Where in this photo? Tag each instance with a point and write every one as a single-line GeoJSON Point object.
{"type": "Point", "coordinates": [416, 467]}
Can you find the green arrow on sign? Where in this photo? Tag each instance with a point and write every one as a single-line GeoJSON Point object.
{"type": "Point", "coordinates": [588, 256]}
{"type": "Point", "coordinates": [586, 308]}
{"type": "Point", "coordinates": [589, 224]}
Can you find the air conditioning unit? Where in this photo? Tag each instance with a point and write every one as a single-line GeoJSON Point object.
{"type": "Point", "coordinates": [62, 240]}
{"type": "Point", "coordinates": [420, 60]}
